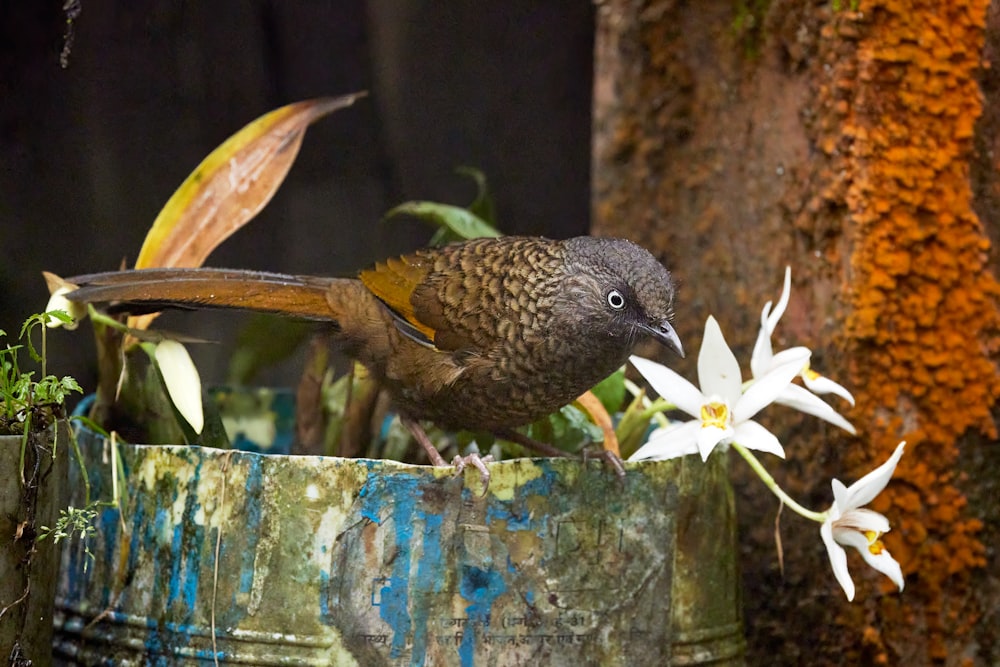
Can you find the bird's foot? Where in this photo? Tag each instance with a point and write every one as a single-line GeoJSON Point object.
{"type": "Point", "coordinates": [460, 462]}
{"type": "Point", "coordinates": [476, 461]}
{"type": "Point", "coordinates": [610, 459]}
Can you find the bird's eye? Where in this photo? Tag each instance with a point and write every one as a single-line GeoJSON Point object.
{"type": "Point", "coordinates": [616, 300]}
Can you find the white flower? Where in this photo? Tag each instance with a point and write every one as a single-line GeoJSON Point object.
{"type": "Point", "coordinates": [182, 381]}
{"type": "Point", "coordinates": [722, 411]}
{"type": "Point", "coordinates": [849, 525]}
{"type": "Point", "coordinates": [794, 396]}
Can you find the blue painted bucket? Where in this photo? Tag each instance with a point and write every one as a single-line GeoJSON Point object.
{"type": "Point", "coordinates": [247, 558]}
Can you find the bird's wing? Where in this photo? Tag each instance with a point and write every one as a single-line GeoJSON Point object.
{"type": "Point", "coordinates": [393, 282]}
{"type": "Point", "coordinates": [449, 298]}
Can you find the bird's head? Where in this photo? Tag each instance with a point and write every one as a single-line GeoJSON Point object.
{"type": "Point", "coordinates": [622, 290]}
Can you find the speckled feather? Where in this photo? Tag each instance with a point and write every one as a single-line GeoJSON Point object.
{"type": "Point", "coordinates": [486, 334]}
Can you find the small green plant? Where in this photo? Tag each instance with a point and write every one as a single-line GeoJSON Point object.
{"type": "Point", "coordinates": [22, 398]}
{"type": "Point", "coordinates": [74, 520]}
{"type": "Point", "coordinates": [31, 402]}
{"type": "Point", "coordinates": [29, 406]}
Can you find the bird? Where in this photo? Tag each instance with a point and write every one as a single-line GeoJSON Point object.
{"type": "Point", "coordinates": [487, 334]}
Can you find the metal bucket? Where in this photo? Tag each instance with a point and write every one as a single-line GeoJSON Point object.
{"type": "Point", "coordinates": [259, 559]}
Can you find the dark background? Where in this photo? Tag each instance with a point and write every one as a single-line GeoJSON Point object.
{"type": "Point", "coordinates": [91, 152]}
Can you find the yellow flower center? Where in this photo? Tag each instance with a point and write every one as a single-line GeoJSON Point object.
{"type": "Point", "coordinates": [715, 414]}
{"type": "Point", "coordinates": [809, 374]}
{"type": "Point", "coordinates": [875, 546]}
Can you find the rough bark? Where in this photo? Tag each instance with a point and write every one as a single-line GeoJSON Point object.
{"type": "Point", "coordinates": [736, 138]}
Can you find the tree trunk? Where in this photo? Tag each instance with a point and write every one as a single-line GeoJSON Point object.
{"type": "Point", "coordinates": [736, 138]}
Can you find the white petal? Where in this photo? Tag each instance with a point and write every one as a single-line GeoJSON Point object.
{"type": "Point", "coordinates": [58, 301]}
{"type": "Point", "coordinates": [752, 435]}
{"type": "Point", "coordinates": [765, 390]}
{"type": "Point", "coordinates": [858, 521]}
{"type": "Point", "coordinates": [791, 354]}
{"type": "Point", "coordinates": [709, 437]}
{"type": "Point", "coordinates": [182, 381]}
{"type": "Point", "coordinates": [670, 385]}
{"type": "Point", "coordinates": [839, 499]}
{"type": "Point", "coordinates": [820, 384]}
{"type": "Point", "coordinates": [669, 443]}
{"type": "Point", "coordinates": [886, 564]}
{"type": "Point", "coordinates": [779, 309]}
{"type": "Point", "coordinates": [838, 560]}
{"type": "Point", "coordinates": [760, 360]}
{"type": "Point", "coordinates": [882, 561]}
{"type": "Point", "coordinates": [718, 370]}
{"type": "Point", "coordinates": [865, 489]}
{"type": "Point", "coordinates": [802, 400]}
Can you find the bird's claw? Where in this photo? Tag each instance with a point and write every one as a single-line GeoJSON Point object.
{"type": "Point", "coordinates": [476, 461]}
{"type": "Point", "coordinates": [610, 459]}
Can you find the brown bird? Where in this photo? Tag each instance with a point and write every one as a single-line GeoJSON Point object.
{"type": "Point", "coordinates": [488, 334]}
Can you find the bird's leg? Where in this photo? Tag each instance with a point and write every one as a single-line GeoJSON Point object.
{"type": "Point", "coordinates": [420, 435]}
{"type": "Point", "coordinates": [460, 462]}
{"type": "Point", "coordinates": [611, 459]}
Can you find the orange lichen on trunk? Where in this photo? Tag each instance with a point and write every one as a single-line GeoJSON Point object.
{"type": "Point", "coordinates": [923, 308]}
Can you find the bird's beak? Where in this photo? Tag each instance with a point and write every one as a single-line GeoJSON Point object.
{"type": "Point", "coordinates": [664, 333]}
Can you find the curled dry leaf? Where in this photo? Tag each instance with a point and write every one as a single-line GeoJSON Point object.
{"type": "Point", "coordinates": [230, 187]}
{"type": "Point", "coordinates": [593, 407]}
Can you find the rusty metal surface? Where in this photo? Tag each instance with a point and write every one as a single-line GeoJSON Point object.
{"type": "Point", "coordinates": [321, 560]}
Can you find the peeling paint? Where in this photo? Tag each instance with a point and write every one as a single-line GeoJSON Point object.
{"type": "Point", "coordinates": [399, 565]}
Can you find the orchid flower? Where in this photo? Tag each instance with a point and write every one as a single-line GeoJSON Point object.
{"type": "Point", "coordinates": [849, 524]}
{"type": "Point", "coordinates": [794, 396]}
{"type": "Point", "coordinates": [722, 411]}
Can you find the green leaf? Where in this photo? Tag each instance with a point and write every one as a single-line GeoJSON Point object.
{"type": "Point", "coordinates": [463, 223]}
{"type": "Point", "coordinates": [633, 427]}
{"type": "Point", "coordinates": [60, 315]}
{"type": "Point", "coordinates": [611, 391]}
{"type": "Point", "coordinates": [482, 206]}
{"type": "Point", "coordinates": [569, 429]}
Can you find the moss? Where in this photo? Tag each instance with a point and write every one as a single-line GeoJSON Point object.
{"type": "Point", "coordinates": [922, 317]}
{"type": "Point", "coordinates": [748, 25]}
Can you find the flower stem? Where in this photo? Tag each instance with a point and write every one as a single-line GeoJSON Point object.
{"type": "Point", "coordinates": [769, 482]}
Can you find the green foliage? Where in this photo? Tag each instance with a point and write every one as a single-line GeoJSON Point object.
{"type": "Point", "coordinates": [482, 206]}
{"type": "Point", "coordinates": [633, 427]}
{"type": "Point", "coordinates": [748, 26]}
{"type": "Point", "coordinates": [456, 223]}
{"type": "Point", "coordinates": [25, 402]}
{"type": "Point", "coordinates": [72, 521]}
{"type": "Point", "coordinates": [568, 429]}
{"type": "Point", "coordinates": [29, 406]}
{"type": "Point", "coordinates": [853, 5]}
{"type": "Point", "coordinates": [611, 391]}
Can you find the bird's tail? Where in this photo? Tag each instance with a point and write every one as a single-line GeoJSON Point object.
{"type": "Point", "coordinates": [150, 290]}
